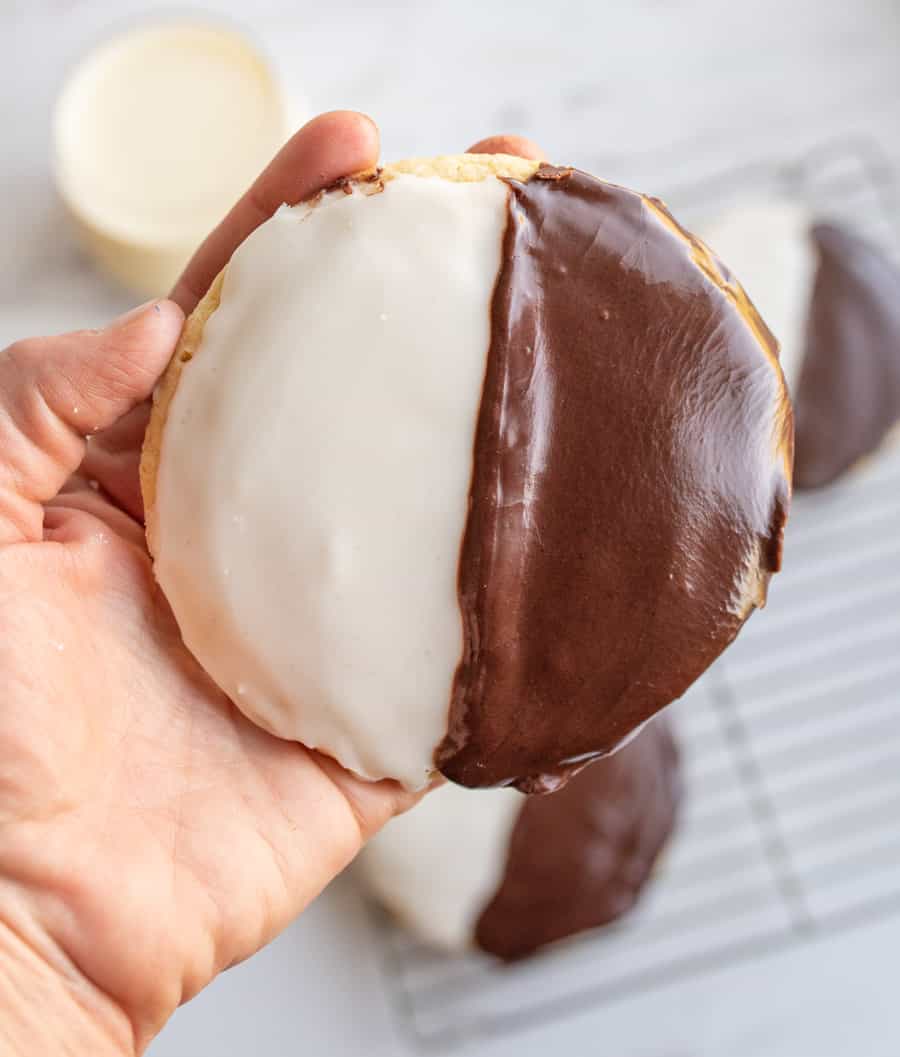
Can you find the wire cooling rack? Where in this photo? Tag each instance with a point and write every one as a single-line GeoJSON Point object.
{"type": "Point", "coordinates": [791, 741]}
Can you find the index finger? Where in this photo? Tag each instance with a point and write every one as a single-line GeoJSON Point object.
{"type": "Point", "coordinates": [519, 145]}
{"type": "Point", "coordinates": [330, 146]}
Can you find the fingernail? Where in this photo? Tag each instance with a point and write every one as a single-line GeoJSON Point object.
{"type": "Point", "coordinates": [133, 313]}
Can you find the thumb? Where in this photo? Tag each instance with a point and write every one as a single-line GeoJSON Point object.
{"type": "Point", "coordinates": [56, 391]}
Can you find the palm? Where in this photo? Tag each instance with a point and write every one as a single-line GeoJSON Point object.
{"type": "Point", "coordinates": [178, 836]}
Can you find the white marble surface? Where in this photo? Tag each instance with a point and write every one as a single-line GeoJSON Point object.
{"type": "Point", "coordinates": [654, 93]}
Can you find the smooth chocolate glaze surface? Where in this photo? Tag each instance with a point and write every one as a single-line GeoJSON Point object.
{"type": "Point", "coordinates": [579, 859]}
{"type": "Point", "coordinates": [631, 482]}
{"type": "Point", "coordinates": [848, 396]}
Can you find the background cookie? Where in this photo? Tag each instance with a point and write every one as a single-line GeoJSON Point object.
{"type": "Point", "coordinates": [833, 301]}
{"type": "Point", "coordinates": [510, 874]}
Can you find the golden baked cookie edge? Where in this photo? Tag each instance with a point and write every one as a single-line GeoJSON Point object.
{"type": "Point", "coordinates": [188, 344]}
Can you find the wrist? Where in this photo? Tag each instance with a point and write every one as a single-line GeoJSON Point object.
{"type": "Point", "coordinates": [48, 1008]}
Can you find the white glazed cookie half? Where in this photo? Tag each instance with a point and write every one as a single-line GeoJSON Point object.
{"type": "Point", "coordinates": [364, 545]}
{"type": "Point", "coordinates": [437, 868]}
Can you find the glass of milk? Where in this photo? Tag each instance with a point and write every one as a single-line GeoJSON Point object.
{"type": "Point", "coordinates": [157, 132]}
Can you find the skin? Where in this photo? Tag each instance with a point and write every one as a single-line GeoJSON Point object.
{"type": "Point", "coordinates": [150, 836]}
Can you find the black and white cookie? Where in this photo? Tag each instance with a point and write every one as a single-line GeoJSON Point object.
{"type": "Point", "coordinates": [509, 874]}
{"type": "Point", "coordinates": [470, 465]}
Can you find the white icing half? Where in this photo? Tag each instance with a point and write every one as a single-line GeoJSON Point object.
{"type": "Point", "coordinates": [438, 866]}
{"type": "Point", "coordinates": [316, 463]}
{"type": "Point", "coordinates": [767, 246]}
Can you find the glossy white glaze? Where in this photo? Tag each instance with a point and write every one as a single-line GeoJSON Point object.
{"type": "Point", "coordinates": [315, 469]}
{"type": "Point", "coordinates": [437, 866]}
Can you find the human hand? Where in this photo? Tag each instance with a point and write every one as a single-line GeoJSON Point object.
{"type": "Point", "coordinates": [150, 835]}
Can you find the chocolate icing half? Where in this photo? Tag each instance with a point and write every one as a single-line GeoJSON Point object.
{"type": "Point", "coordinates": [848, 396]}
{"type": "Point", "coordinates": [630, 486]}
{"type": "Point", "coordinates": [580, 858]}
